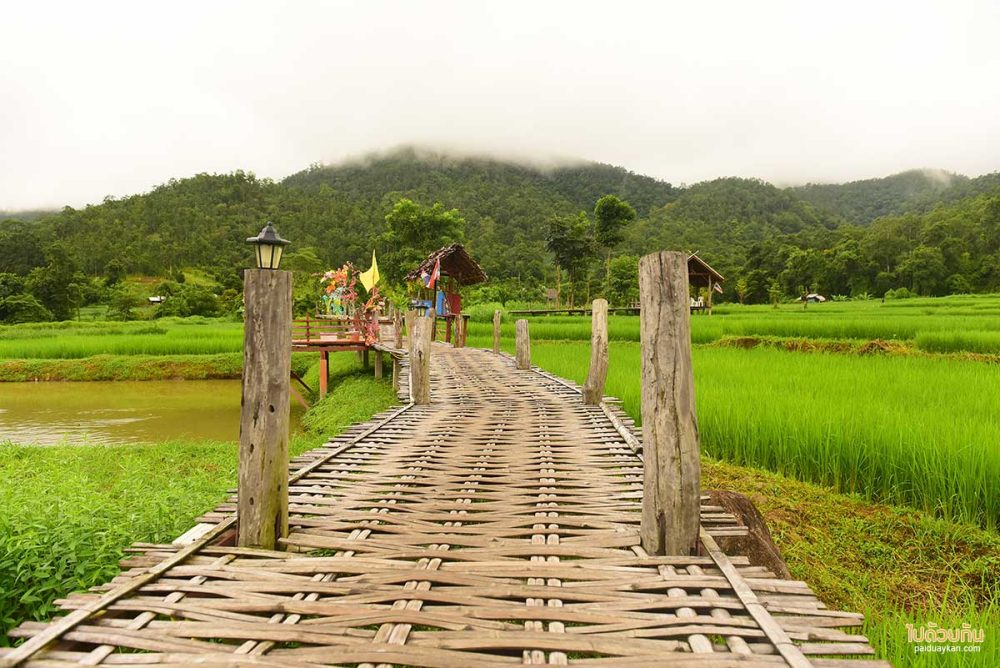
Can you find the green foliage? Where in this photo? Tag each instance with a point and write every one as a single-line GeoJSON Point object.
{"type": "Point", "coordinates": [122, 303]}
{"type": "Point", "coordinates": [612, 216]}
{"type": "Point", "coordinates": [189, 300]}
{"type": "Point", "coordinates": [623, 280]}
{"type": "Point", "coordinates": [415, 232]}
{"type": "Point", "coordinates": [22, 308]}
{"type": "Point", "coordinates": [571, 241]}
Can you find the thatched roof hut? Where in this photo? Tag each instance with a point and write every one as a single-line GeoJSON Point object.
{"type": "Point", "coordinates": [455, 263]}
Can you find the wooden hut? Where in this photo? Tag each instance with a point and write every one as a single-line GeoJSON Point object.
{"type": "Point", "coordinates": [701, 275]}
{"type": "Point", "coordinates": [457, 269]}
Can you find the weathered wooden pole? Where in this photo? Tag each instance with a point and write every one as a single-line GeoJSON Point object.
{"type": "Point", "coordinates": [420, 358]}
{"type": "Point", "coordinates": [459, 332]}
{"type": "Point", "coordinates": [496, 332]}
{"type": "Point", "coordinates": [397, 323]}
{"type": "Point", "coordinates": [593, 389]}
{"type": "Point", "coordinates": [262, 507]}
{"type": "Point", "coordinates": [522, 344]}
{"type": "Point", "coordinates": [465, 329]}
{"type": "Point", "coordinates": [378, 363]}
{"type": "Point", "coordinates": [671, 485]}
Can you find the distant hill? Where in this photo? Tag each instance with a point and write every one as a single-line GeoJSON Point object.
{"type": "Point", "coordinates": [861, 202]}
{"type": "Point", "coordinates": [26, 214]}
{"type": "Point", "coordinates": [813, 235]}
{"type": "Point", "coordinates": [721, 219]}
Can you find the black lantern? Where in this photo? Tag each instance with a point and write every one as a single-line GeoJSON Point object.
{"type": "Point", "coordinates": [269, 246]}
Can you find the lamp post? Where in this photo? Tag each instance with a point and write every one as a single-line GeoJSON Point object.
{"type": "Point", "coordinates": [269, 246]}
{"type": "Point", "coordinates": [262, 507]}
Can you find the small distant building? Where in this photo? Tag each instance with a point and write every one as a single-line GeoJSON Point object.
{"type": "Point", "coordinates": [158, 299]}
{"type": "Point", "coordinates": [814, 298]}
{"type": "Point", "coordinates": [701, 275]}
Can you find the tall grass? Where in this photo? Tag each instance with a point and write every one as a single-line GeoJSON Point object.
{"type": "Point", "coordinates": [918, 431]}
{"type": "Point", "coordinates": [76, 340]}
{"type": "Point", "coordinates": [959, 341]}
{"type": "Point", "coordinates": [933, 332]}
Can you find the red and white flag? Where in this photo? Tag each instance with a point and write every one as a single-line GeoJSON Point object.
{"type": "Point", "coordinates": [435, 275]}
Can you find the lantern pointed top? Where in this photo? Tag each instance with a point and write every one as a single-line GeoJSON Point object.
{"type": "Point", "coordinates": [268, 235]}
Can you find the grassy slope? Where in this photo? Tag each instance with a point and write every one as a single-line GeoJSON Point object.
{"type": "Point", "coordinates": [66, 513]}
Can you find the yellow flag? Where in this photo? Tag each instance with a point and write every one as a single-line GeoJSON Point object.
{"type": "Point", "coordinates": [370, 278]}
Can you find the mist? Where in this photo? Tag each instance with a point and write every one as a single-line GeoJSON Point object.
{"type": "Point", "coordinates": [112, 98]}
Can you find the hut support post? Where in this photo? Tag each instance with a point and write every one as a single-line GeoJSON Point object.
{"type": "Point", "coordinates": [671, 488]}
{"type": "Point", "coordinates": [420, 358]}
{"type": "Point", "coordinates": [496, 332]}
{"type": "Point", "coordinates": [262, 506]}
{"type": "Point", "coordinates": [522, 344]}
{"type": "Point", "coordinates": [711, 289]}
{"type": "Point", "coordinates": [593, 389]}
{"type": "Point", "coordinates": [465, 328]}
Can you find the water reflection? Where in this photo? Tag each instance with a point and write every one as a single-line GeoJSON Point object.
{"type": "Point", "coordinates": [121, 412]}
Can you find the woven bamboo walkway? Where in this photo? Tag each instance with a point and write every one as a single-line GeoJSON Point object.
{"type": "Point", "coordinates": [496, 526]}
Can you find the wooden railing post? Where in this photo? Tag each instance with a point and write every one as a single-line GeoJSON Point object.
{"type": "Point", "coordinates": [465, 329]}
{"type": "Point", "coordinates": [593, 389]}
{"type": "Point", "coordinates": [522, 344]}
{"type": "Point", "coordinates": [262, 506]}
{"type": "Point", "coordinates": [671, 485]}
{"type": "Point", "coordinates": [496, 332]}
{"type": "Point", "coordinates": [420, 358]}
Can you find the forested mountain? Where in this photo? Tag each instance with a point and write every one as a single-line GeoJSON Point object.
{"type": "Point", "coordinates": [926, 237]}
{"type": "Point", "coordinates": [914, 191]}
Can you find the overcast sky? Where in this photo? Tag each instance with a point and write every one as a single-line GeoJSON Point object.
{"type": "Point", "coordinates": [101, 98]}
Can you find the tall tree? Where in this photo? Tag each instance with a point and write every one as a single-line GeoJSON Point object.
{"type": "Point", "coordinates": [613, 215]}
{"type": "Point", "coordinates": [571, 241]}
{"type": "Point", "coordinates": [414, 232]}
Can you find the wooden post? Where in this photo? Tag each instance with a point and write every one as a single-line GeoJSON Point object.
{"type": "Point", "coordinates": [671, 485]}
{"type": "Point", "coordinates": [395, 374]}
{"type": "Point", "coordinates": [496, 332]}
{"type": "Point", "coordinates": [522, 344]}
{"type": "Point", "coordinates": [711, 289]}
{"type": "Point", "coordinates": [262, 507]}
{"type": "Point", "coordinates": [593, 389]}
{"type": "Point", "coordinates": [324, 372]}
{"type": "Point", "coordinates": [459, 341]}
{"type": "Point", "coordinates": [447, 328]}
{"type": "Point", "coordinates": [397, 322]}
{"type": "Point", "coordinates": [420, 359]}
{"type": "Point", "coordinates": [465, 329]}
{"type": "Point", "coordinates": [364, 358]}
{"type": "Point", "coordinates": [378, 363]}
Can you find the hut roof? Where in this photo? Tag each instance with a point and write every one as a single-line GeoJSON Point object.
{"type": "Point", "coordinates": [700, 272]}
{"type": "Point", "coordinates": [455, 262]}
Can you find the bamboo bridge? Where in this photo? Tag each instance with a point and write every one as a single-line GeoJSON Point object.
{"type": "Point", "coordinates": [497, 525]}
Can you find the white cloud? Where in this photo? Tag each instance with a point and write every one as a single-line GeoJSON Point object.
{"type": "Point", "coordinates": [107, 98]}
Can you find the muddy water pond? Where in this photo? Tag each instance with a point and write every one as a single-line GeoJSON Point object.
{"type": "Point", "coordinates": [122, 412]}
